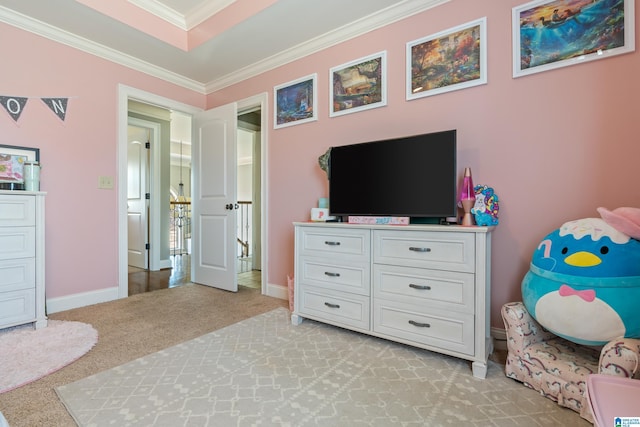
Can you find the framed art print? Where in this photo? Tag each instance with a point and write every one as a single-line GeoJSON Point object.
{"type": "Point", "coordinates": [549, 34]}
{"type": "Point", "coordinates": [295, 102]}
{"type": "Point", "coordinates": [449, 60]}
{"type": "Point", "coordinates": [358, 85]}
{"type": "Point", "coordinates": [12, 159]}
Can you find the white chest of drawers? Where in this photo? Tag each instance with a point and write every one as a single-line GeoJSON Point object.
{"type": "Point", "coordinates": [422, 285]}
{"type": "Point", "coordinates": [22, 292]}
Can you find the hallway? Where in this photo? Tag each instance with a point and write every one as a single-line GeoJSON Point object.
{"type": "Point", "coordinates": [141, 281]}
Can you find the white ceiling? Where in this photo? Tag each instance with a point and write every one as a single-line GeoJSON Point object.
{"type": "Point", "coordinates": [269, 34]}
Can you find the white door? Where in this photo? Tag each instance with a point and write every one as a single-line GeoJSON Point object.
{"type": "Point", "coordinates": [137, 203]}
{"type": "Point", "coordinates": [213, 196]}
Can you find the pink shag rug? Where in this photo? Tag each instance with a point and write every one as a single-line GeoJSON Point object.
{"type": "Point", "coordinates": [28, 354]}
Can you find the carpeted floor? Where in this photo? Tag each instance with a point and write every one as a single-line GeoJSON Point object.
{"type": "Point", "coordinates": [146, 323]}
{"type": "Point", "coordinates": [130, 328]}
{"type": "Point", "coordinates": [265, 371]}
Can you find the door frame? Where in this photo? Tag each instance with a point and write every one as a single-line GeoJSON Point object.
{"type": "Point", "coordinates": [127, 92]}
{"type": "Point", "coordinates": [260, 101]}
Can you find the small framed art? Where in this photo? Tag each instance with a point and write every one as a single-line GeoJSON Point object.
{"type": "Point", "coordinates": [358, 85]}
{"type": "Point", "coordinates": [295, 102]}
{"type": "Point", "coordinates": [449, 60]}
{"type": "Point", "coordinates": [549, 34]}
{"type": "Point", "coordinates": [12, 159]}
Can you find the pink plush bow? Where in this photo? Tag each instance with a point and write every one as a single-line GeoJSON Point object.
{"type": "Point", "coordinates": [588, 295]}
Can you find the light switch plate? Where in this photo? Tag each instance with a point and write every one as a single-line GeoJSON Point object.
{"type": "Point", "coordinates": [105, 182]}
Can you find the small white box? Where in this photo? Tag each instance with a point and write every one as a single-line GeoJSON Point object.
{"type": "Point", "coordinates": [320, 214]}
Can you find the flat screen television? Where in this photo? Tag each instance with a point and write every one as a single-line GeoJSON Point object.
{"type": "Point", "coordinates": [412, 176]}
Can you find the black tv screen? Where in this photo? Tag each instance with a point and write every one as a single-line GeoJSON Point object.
{"type": "Point", "coordinates": [412, 176]}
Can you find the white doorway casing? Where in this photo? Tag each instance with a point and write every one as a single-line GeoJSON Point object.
{"type": "Point", "coordinates": [125, 93]}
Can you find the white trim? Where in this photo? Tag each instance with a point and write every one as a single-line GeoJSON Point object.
{"type": "Point", "coordinates": [32, 25]}
{"type": "Point", "coordinates": [190, 19]}
{"type": "Point", "coordinates": [124, 94]}
{"type": "Point", "coordinates": [277, 291]}
{"type": "Point", "coordinates": [82, 299]}
{"type": "Point", "coordinates": [262, 100]}
{"type": "Point", "coordinates": [380, 19]}
{"type": "Point", "coordinates": [352, 30]}
{"type": "Point", "coordinates": [499, 338]}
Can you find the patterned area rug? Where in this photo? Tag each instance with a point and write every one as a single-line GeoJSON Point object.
{"type": "Point", "coordinates": [265, 372]}
{"type": "Point", "coordinates": [27, 354]}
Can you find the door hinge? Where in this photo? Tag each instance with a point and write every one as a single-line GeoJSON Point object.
{"type": "Point", "coordinates": [147, 196]}
{"type": "Point", "coordinates": [147, 145]}
{"type": "Point", "coordinates": [146, 246]}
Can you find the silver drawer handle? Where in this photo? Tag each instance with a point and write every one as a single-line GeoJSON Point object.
{"type": "Point", "coordinates": [414, 249]}
{"type": "Point", "coordinates": [328, 304]}
{"type": "Point", "coordinates": [420, 287]}
{"type": "Point", "coordinates": [330, 243]}
{"type": "Point", "coordinates": [330, 274]}
{"type": "Point", "coordinates": [419, 325]}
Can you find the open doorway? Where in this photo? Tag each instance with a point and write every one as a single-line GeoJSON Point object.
{"type": "Point", "coordinates": [126, 94]}
{"type": "Point", "coordinates": [249, 139]}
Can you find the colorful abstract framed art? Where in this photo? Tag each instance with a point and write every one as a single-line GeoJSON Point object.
{"type": "Point", "coordinates": [549, 34]}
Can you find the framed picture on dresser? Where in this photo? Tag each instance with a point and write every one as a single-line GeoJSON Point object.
{"type": "Point", "coordinates": [12, 159]}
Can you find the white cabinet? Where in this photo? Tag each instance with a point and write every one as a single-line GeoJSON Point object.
{"type": "Point", "coordinates": [22, 295]}
{"type": "Point", "coordinates": [422, 285]}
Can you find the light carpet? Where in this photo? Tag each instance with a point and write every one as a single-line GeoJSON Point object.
{"type": "Point", "coordinates": [263, 371]}
{"type": "Point", "coordinates": [28, 354]}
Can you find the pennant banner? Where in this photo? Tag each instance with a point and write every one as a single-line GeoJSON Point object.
{"type": "Point", "coordinates": [14, 105]}
{"type": "Point", "coordinates": [57, 105]}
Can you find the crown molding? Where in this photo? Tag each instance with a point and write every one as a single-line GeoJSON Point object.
{"type": "Point", "coordinates": [352, 30]}
{"type": "Point", "coordinates": [50, 32]}
{"type": "Point", "coordinates": [372, 22]}
{"type": "Point", "coordinates": [189, 20]}
{"type": "Point", "coordinates": [158, 9]}
{"type": "Point", "coordinates": [206, 10]}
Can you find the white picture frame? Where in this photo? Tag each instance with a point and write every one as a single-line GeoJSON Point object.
{"type": "Point", "coordinates": [550, 34]}
{"type": "Point", "coordinates": [358, 85]}
{"type": "Point", "coordinates": [449, 60]}
{"type": "Point", "coordinates": [295, 102]}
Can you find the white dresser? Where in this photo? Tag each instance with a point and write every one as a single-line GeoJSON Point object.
{"type": "Point", "coordinates": [22, 294]}
{"type": "Point", "coordinates": [423, 285]}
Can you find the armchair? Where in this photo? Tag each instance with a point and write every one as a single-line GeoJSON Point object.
{"type": "Point", "coordinates": [558, 368]}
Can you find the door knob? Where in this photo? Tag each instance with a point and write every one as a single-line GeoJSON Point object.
{"type": "Point", "coordinates": [229, 206]}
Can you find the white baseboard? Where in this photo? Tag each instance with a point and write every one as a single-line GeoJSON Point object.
{"type": "Point", "coordinates": [277, 291]}
{"type": "Point", "coordinates": [54, 305]}
{"type": "Point", "coordinates": [499, 338]}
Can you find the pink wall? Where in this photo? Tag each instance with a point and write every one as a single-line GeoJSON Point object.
{"type": "Point", "coordinates": [81, 220]}
{"type": "Point", "coordinates": [554, 145]}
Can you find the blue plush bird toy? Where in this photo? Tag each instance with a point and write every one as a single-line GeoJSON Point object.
{"type": "Point", "coordinates": [584, 279]}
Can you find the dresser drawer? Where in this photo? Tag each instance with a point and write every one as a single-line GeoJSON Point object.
{"type": "Point", "coordinates": [17, 307]}
{"type": "Point", "coordinates": [324, 273]}
{"type": "Point", "coordinates": [448, 290]}
{"type": "Point", "coordinates": [16, 274]}
{"type": "Point", "coordinates": [339, 243]}
{"type": "Point", "coordinates": [334, 307]}
{"type": "Point", "coordinates": [424, 249]}
{"type": "Point", "coordinates": [17, 242]}
{"type": "Point", "coordinates": [437, 328]}
{"type": "Point", "coordinates": [17, 211]}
